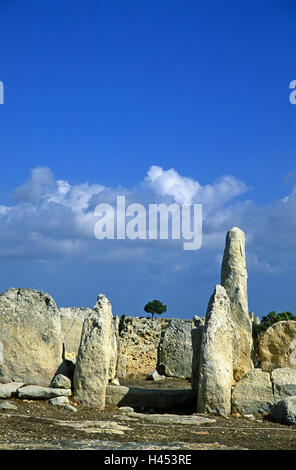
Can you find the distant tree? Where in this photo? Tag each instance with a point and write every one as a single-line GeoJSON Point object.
{"type": "Point", "coordinates": [155, 306]}
{"type": "Point", "coordinates": [270, 319]}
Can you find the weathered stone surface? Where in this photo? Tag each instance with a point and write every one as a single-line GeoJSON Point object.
{"type": "Point", "coordinates": [92, 366]}
{"type": "Point", "coordinates": [126, 409]}
{"type": "Point", "coordinates": [139, 340]}
{"type": "Point", "coordinates": [60, 381]}
{"type": "Point", "coordinates": [115, 393]}
{"type": "Point", "coordinates": [253, 393]}
{"type": "Point", "coordinates": [71, 408]}
{"type": "Point", "coordinates": [114, 347]}
{"type": "Point", "coordinates": [31, 339]}
{"type": "Point", "coordinates": [121, 366]}
{"type": "Point", "coordinates": [284, 411]}
{"type": "Point", "coordinates": [154, 375]}
{"type": "Point", "coordinates": [196, 336]}
{"type": "Point", "coordinates": [6, 390]}
{"type": "Point", "coordinates": [234, 280]}
{"type": "Point", "coordinates": [194, 419]}
{"type": "Point", "coordinates": [72, 319]}
{"type": "Point", "coordinates": [59, 401]}
{"type": "Point", "coordinates": [175, 350]}
{"type": "Point", "coordinates": [277, 346]}
{"type": "Point", "coordinates": [7, 405]}
{"type": "Point", "coordinates": [284, 383]}
{"type": "Point", "coordinates": [38, 392]}
{"type": "Point", "coordinates": [215, 375]}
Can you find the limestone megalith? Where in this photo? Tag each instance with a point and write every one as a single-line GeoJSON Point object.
{"type": "Point", "coordinates": [93, 360]}
{"type": "Point", "coordinates": [31, 340]}
{"type": "Point", "coordinates": [216, 361]}
{"type": "Point", "coordinates": [234, 280]}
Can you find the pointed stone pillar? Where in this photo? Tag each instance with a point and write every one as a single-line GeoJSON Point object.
{"type": "Point", "coordinates": [216, 361]}
{"type": "Point", "coordinates": [234, 280]}
{"type": "Point", "coordinates": [93, 360]}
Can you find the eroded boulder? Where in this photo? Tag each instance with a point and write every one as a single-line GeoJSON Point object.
{"type": "Point", "coordinates": [253, 393]}
{"type": "Point", "coordinates": [277, 347]}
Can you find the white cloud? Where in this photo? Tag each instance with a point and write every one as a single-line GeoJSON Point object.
{"type": "Point", "coordinates": [52, 217]}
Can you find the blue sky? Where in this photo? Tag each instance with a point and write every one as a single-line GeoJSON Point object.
{"type": "Point", "coordinates": [97, 92]}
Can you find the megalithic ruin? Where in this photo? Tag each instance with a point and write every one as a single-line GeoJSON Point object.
{"type": "Point", "coordinates": [234, 279]}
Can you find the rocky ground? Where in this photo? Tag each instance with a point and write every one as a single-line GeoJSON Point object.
{"type": "Point", "coordinates": [40, 425]}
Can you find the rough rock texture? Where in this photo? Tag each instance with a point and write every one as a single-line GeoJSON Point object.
{"type": "Point", "coordinates": [114, 348]}
{"type": "Point", "coordinates": [59, 401]}
{"type": "Point", "coordinates": [196, 336]}
{"type": "Point", "coordinates": [92, 366]}
{"type": "Point", "coordinates": [7, 390]}
{"type": "Point", "coordinates": [38, 392]}
{"type": "Point", "coordinates": [31, 340]}
{"type": "Point", "coordinates": [7, 405]}
{"type": "Point", "coordinates": [138, 341]}
{"type": "Point", "coordinates": [284, 383]}
{"type": "Point", "coordinates": [215, 376]}
{"type": "Point", "coordinates": [121, 366]}
{"type": "Point", "coordinates": [60, 381]}
{"type": "Point", "coordinates": [284, 411]}
{"type": "Point", "coordinates": [72, 319]}
{"type": "Point", "coordinates": [253, 393]}
{"type": "Point", "coordinates": [234, 280]}
{"type": "Point", "coordinates": [277, 346]}
{"type": "Point", "coordinates": [175, 350]}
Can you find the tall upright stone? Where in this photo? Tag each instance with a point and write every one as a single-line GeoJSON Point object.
{"type": "Point", "coordinates": [234, 280]}
{"type": "Point", "coordinates": [216, 361]}
{"type": "Point", "coordinates": [93, 360]}
{"type": "Point", "coordinates": [31, 340]}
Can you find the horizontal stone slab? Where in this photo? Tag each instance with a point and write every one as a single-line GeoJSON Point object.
{"type": "Point", "coordinates": [38, 392]}
{"type": "Point", "coordinates": [6, 390]}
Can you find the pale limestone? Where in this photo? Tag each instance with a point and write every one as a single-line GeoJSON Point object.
{"type": "Point", "coordinates": [92, 367]}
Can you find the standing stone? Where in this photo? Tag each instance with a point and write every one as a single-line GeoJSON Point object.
{"type": "Point", "coordinates": [31, 340]}
{"type": "Point", "coordinates": [216, 373]}
{"type": "Point", "coordinates": [277, 347]}
{"type": "Point", "coordinates": [92, 366]}
{"type": "Point", "coordinates": [175, 349]}
{"type": "Point", "coordinates": [234, 280]}
{"type": "Point", "coordinates": [113, 352]}
{"type": "Point", "coordinates": [139, 339]}
{"type": "Point", "coordinates": [196, 337]}
{"type": "Point", "coordinates": [72, 319]}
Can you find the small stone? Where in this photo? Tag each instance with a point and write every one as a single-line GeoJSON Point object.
{"type": "Point", "coordinates": [114, 381]}
{"type": "Point", "coordinates": [7, 405]}
{"type": "Point", "coordinates": [154, 375]}
{"type": "Point", "coordinates": [59, 401]}
{"type": "Point", "coordinates": [71, 408]}
{"type": "Point", "coordinates": [6, 390]}
{"type": "Point", "coordinates": [126, 409]}
{"type": "Point", "coordinates": [60, 381]}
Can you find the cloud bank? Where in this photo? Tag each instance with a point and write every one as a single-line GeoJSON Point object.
{"type": "Point", "coordinates": [52, 221]}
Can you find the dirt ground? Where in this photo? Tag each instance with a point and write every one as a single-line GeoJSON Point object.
{"type": "Point", "coordinates": [39, 425]}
